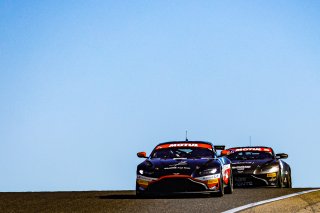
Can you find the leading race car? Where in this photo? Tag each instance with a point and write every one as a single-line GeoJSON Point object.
{"type": "Point", "coordinates": [184, 167]}
{"type": "Point", "coordinates": [259, 166]}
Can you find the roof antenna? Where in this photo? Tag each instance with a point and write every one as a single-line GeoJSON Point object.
{"type": "Point", "coordinates": [250, 140]}
{"type": "Point", "coordinates": [187, 136]}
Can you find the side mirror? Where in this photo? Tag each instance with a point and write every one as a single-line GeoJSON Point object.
{"type": "Point", "coordinates": [281, 156]}
{"type": "Point", "coordinates": [142, 154]}
{"type": "Point", "coordinates": [225, 152]}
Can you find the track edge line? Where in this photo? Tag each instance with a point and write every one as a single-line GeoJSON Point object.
{"type": "Point", "coordinates": [250, 205]}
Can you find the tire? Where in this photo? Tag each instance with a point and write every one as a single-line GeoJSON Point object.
{"type": "Point", "coordinates": [229, 187]}
{"type": "Point", "coordinates": [139, 194]}
{"type": "Point", "coordinates": [280, 182]}
{"type": "Point", "coordinates": [221, 186]}
{"type": "Point", "coordinates": [289, 181]}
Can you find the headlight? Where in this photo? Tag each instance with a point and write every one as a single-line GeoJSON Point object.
{"type": "Point", "coordinates": [208, 172]}
{"type": "Point", "coordinates": [145, 172]}
{"type": "Point", "coordinates": [269, 169]}
{"type": "Point", "coordinates": [272, 169]}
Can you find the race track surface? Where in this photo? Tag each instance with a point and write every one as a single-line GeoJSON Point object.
{"type": "Point", "coordinates": [126, 201]}
{"type": "Point", "coordinates": [302, 203]}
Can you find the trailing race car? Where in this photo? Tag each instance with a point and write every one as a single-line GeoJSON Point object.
{"type": "Point", "coordinates": [184, 167]}
{"type": "Point", "coordinates": [258, 166]}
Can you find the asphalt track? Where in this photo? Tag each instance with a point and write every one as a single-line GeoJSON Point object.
{"type": "Point", "coordinates": [126, 201]}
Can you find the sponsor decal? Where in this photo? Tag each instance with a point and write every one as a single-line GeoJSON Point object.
{"type": "Point", "coordinates": [177, 145]}
{"type": "Point", "coordinates": [208, 177]}
{"type": "Point", "coordinates": [257, 149]}
{"type": "Point", "coordinates": [149, 179]}
{"type": "Point", "coordinates": [181, 163]}
{"type": "Point", "coordinates": [227, 166]}
{"type": "Point", "coordinates": [226, 172]}
{"type": "Point", "coordinates": [213, 181]}
{"type": "Point", "coordinates": [184, 145]}
{"type": "Point", "coordinates": [176, 167]}
{"type": "Point", "coordinates": [246, 162]}
{"type": "Point", "coordinates": [240, 179]}
{"type": "Point", "coordinates": [241, 167]}
{"type": "Point", "coordinates": [144, 181]}
{"type": "Point", "coordinates": [243, 183]}
{"type": "Point", "coordinates": [274, 174]}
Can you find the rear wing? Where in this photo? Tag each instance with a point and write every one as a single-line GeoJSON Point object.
{"type": "Point", "coordinates": [219, 147]}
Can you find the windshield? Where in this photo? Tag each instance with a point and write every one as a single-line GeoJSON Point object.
{"type": "Point", "coordinates": [250, 156]}
{"type": "Point", "coordinates": [183, 153]}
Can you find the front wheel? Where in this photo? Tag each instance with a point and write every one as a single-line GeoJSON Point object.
{"type": "Point", "coordinates": [289, 181]}
{"type": "Point", "coordinates": [139, 194]}
{"type": "Point", "coordinates": [280, 182]}
{"type": "Point", "coordinates": [221, 186]}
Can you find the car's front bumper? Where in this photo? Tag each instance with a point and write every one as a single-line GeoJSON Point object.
{"type": "Point", "coordinates": [247, 180]}
{"type": "Point", "coordinates": [178, 184]}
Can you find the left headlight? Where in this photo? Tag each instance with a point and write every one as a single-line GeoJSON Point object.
{"type": "Point", "coordinates": [208, 171]}
{"type": "Point", "coordinates": [269, 169]}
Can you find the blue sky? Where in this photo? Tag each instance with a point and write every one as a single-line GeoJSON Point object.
{"type": "Point", "coordinates": [84, 85]}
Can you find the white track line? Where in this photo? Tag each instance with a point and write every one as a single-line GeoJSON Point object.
{"type": "Point", "coordinates": [268, 201]}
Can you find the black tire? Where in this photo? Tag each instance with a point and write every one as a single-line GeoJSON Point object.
{"type": "Point", "coordinates": [289, 181]}
{"type": "Point", "coordinates": [221, 185]}
{"type": "Point", "coordinates": [280, 181]}
{"type": "Point", "coordinates": [139, 194]}
{"type": "Point", "coordinates": [229, 187]}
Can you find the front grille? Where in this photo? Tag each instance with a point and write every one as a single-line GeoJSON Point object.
{"type": "Point", "coordinates": [177, 185]}
{"type": "Point", "coordinates": [165, 172]}
{"type": "Point", "coordinates": [252, 180]}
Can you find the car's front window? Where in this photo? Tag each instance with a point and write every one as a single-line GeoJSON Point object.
{"type": "Point", "coordinates": [170, 153]}
{"type": "Point", "coordinates": [250, 155]}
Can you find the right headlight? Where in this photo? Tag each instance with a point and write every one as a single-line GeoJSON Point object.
{"type": "Point", "coordinates": [146, 172]}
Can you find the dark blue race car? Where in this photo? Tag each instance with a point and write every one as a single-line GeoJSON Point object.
{"type": "Point", "coordinates": [184, 167]}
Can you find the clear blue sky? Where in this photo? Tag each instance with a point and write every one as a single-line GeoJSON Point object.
{"type": "Point", "coordinates": [84, 85]}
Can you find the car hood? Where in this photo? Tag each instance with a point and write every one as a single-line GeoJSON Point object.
{"type": "Point", "coordinates": [249, 166]}
{"type": "Point", "coordinates": [162, 167]}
